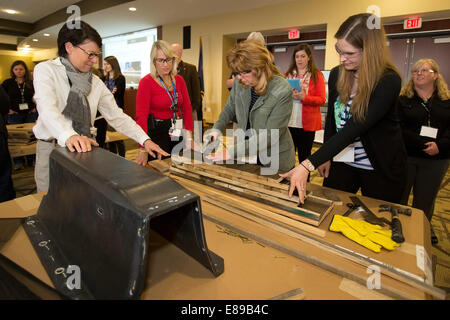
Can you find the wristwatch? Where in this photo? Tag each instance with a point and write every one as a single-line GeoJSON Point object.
{"type": "Point", "coordinates": [308, 165]}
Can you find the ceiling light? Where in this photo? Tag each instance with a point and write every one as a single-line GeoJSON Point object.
{"type": "Point", "coordinates": [35, 40]}
{"type": "Point", "coordinates": [132, 9]}
{"type": "Point", "coordinates": [46, 34]}
{"type": "Point", "coordinates": [10, 11]}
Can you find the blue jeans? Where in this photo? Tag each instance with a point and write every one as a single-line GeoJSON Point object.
{"type": "Point", "coordinates": [18, 118]}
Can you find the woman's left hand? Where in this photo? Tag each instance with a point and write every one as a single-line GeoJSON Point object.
{"type": "Point", "coordinates": [114, 90]}
{"type": "Point", "coordinates": [298, 177]}
{"type": "Point", "coordinates": [431, 149]}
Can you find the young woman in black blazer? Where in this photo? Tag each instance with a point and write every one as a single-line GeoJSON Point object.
{"type": "Point", "coordinates": [362, 126]}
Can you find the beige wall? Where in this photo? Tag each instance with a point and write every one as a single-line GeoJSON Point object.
{"type": "Point", "coordinates": [7, 59]}
{"type": "Point", "coordinates": [214, 30]}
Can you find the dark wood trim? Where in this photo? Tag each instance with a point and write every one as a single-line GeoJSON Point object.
{"type": "Point", "coordinates": [86, 7]}
{"type": "Point", "coordinates": [15, 28]}
{"type": "Point", "coordinates": [426, 26]}
{"type": "Point", "coordinates": [8, 46]}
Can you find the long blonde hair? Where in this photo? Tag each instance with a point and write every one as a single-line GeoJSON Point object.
{"type": "Point", "coordinates": [253, 55]}
{"type": "Point", "coordinates": [440, 86]}
{"type": "Point", "coordinates": [375, 60]}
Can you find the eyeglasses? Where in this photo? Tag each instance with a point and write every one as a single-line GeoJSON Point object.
{"type": "Point", "coordinates": [91, 55]}
{"type": "Point", "coordinates": [422, 71]}
{"type": "Point", "coordinates": [243, 73]}
{"type": "Point", "coordinates": [346, 54]}
{"type": "Point", "coordinates": [162, 61]}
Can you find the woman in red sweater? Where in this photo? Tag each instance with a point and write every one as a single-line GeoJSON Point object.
{"type": "Point", "coordinates": [163, 108]}
{"type": "Point", "coordinates": [305, 118]}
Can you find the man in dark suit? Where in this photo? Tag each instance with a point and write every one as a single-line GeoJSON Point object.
{"type": "Point", "coordinates": [190, 76]}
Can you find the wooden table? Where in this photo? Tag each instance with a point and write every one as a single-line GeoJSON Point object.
{"type": "Point", "coordinates": [24, 150]}
{"type": "Point", "coordinates": [260, 263]}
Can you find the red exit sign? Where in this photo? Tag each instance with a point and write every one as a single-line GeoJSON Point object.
{"type": "Point", "coordinates": [415, 23]}
{"type": "Point", "coordinates": [294, 34]}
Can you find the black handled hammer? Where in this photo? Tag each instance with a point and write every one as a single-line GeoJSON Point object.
{"type": "Point", "coordinates": [396, 226]}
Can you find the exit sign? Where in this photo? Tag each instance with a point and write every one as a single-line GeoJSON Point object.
{"type": "Point", "coordinates": [294, 34]}
{"type": "Point", "coordinates": [415, 23]}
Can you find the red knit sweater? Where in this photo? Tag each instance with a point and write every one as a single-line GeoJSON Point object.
{"type": "Point", "coordinates": [152, 98]}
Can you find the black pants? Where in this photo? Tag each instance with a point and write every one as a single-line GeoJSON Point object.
{"type": "Point", "coordinates": [424, 177]}
{"type": "Point", "coordinates": [101, 126]}
{"type": "Point", "coordinates": [350, 179]}
{"type": "Point", "coordinates": [117, 147]}
{"type": "Point", "coordinates": [160, 135]}
{"type": "Point", "coordinates": [303, 141]}
{"type": "Point", "coordinates": [6, 185]}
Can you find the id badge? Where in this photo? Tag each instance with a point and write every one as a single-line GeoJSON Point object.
{"type": "Point", "coordinates": [173, 131]}
{"type": "Point", "coordinates": [23, 106]}
{"type": "Point", "coordinates": [346, 155]}
{"type": "Point", "coordinates": [428, 132]}
{"type": "Point", "coordinates": [178, 124]}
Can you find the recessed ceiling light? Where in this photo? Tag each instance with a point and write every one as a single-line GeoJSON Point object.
{"type": "Point", "coordinates": [46, 34]}
{"type": "Point", "coordinates": [10, 11]}
{"type": "Point", "coordinates": [132, 9]}
{"type": "Point", "coordinates": [35, 40]}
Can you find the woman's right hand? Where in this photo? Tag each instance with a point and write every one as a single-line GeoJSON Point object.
{"type": "Point", "coordinates": [80, 143]}
{"type": "Point", "coordinates": [297, 95]}
{"type": "Point", "coordinates": [212, 134]}
{"type": "Point", "coordinates": [142, 157]}
{"type": "Point", "coordinates": [11, 111]}
{"type": "Point", "coordinates": [324, 169]}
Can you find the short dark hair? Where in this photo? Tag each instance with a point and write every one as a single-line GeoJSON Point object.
{"type": "Point", "coordinates": [76, 36]}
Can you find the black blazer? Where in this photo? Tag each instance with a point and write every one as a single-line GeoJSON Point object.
{"type": "Point", "coordinates": [192, 80]}
{"type": "Point", "coordinates": [380, 132]}
{"type": "Point", "coordinates": [413, 116]}
{"type": "Point", "coordinates": [120, 92]}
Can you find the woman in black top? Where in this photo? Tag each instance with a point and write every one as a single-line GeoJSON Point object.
{"type": "Point", "coordinates": [424, 106]}
{"type": "Point", "coordinates": [22, 108]}
{"type": "Point", "coordinates": [115, 82]}
{"type": "Point", "coordinates": [362, 121]}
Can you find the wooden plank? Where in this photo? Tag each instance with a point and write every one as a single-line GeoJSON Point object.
{"type": "Point", "coordinates": [257, 210]}
{"type": "Point", "coordinates": [242, 175]}
{"type": "Point", "coordinates": [299, 214]}
{"type": "Point", "coordinates": [238, 182]}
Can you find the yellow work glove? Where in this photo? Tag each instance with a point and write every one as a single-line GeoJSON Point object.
{"type": "Point", "coordinates": [371, 236]}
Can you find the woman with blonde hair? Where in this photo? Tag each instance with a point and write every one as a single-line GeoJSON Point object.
{"type": "Point", "coordinates": [163, 108]}
{"type": "Point", "coordinates": [260, 99]}
{"type": "Point", "coordinates": [424, 108]}
{"type": "Point", "coordinates": [363, 145]}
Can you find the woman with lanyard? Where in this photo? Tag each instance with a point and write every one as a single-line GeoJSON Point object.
{"type": "Point", "coordinates": [424, 106]}
{"type": "Point", "coordinates": [363, 145]}
{"type": "Point", "coordinates": [22, 107]}
{"type": "Point", "coordinates": [163, 107]}
{"type": "Point", "coordinates": [305, 118]}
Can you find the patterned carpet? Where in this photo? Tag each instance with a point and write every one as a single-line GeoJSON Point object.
{"type": "Point", "coordinates": [24, 184]}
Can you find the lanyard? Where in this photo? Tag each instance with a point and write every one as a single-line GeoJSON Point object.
{"type": "Point", "coordinates": [22, 90]}
{"type": "Point", "coordinates": [427, 109]}
{"type": "Point", "coordinates": [173, 99]}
